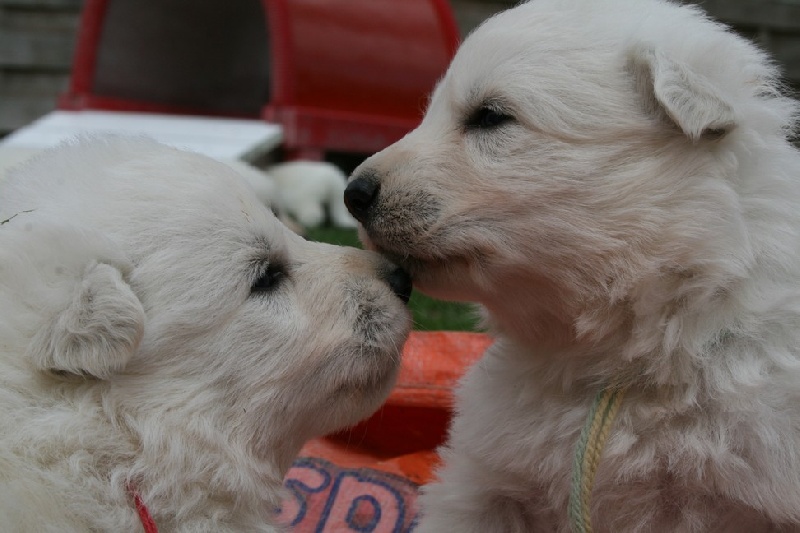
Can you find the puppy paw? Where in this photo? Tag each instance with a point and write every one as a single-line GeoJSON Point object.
{"type": "Point", "coordinates": [99, 330]}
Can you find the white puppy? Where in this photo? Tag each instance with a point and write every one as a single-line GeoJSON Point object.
{"type": "Point", "coordinates": [164, 339]}
{"type": "Point", "coordinates": [311, 191]}
{"type": "Point", "coordinates": [612, 180]}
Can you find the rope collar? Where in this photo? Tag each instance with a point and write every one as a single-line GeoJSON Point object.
{"type": "Point", "coordinates": [144, 515]}
{"type": "Point", "coordinates": [587, 455]}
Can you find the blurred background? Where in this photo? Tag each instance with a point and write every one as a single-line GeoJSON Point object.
{"type": "Point", "coordinates": [339, 79]}
{"type": "Point", "coordinates": [38, 37]}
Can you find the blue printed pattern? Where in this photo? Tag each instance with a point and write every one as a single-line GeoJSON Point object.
{"type": "Point", "coordinates": [326, 498]}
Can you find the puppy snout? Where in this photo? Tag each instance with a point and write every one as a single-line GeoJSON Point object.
{"type": "Point", "coordinates": [360, 195]}
{"type": "Point", "coordinates": [400, 282]}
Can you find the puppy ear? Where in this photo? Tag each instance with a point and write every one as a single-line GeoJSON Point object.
{"type": "Point", "coordinates": [688, 99]}
{"type": "Point", "coordinates": [98, 330]}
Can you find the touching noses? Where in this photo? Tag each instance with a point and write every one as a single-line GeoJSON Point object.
{"type": "Point", "coordinates": [360, 195]}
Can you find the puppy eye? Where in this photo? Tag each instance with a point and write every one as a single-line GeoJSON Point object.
{"type": "Point", "coordinates": [487, 118]}
{"type": "Point", "coordinates": [269, 279]}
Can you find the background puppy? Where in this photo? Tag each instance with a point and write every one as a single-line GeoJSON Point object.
{"type": "Point", "coordinates": [162, 335]}
{"type": "Point", "coordinates": [311, 192]}
{"type": "Point", "coordinates": [612, 180]}
{"type": "Point", "coordinates": [303, 194]}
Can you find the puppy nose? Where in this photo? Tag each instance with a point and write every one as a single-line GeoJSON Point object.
{"type": "Point", "coordinates": [400, 282]}
{"type": "Point", "coordinates": [359, 196]}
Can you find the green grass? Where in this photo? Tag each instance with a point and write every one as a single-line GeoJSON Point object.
{"type": "Point", "coordinates": [429, 314]}
{"type": "Point", "coordinates": [340, 236]}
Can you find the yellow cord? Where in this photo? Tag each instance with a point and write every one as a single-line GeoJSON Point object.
{"type": "Point", "coordinates": [587, 455]}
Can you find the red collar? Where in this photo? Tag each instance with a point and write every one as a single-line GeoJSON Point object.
{"type": "Point", "coordinates": [144, 515]}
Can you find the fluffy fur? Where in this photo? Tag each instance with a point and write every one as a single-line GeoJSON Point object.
{"type": "Point", "coordinates": [161, 331]}
{"type": "Point", "coordinates": [613, 181]}
{"type": "Point", "coordinates": [263, 185]}
{"type": "Point", "coordinates": [266, 191]}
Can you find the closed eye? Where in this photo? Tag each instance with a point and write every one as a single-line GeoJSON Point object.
{"type": "Point", "coordinates": [488, 117]}
{"type": "Point", "coordinates": [269, 276]}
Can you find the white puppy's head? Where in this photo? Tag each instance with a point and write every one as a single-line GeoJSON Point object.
{"type": "Point", "coordinates": [157, 275]}
{"type": "Point", "coordinates": [574, 151]}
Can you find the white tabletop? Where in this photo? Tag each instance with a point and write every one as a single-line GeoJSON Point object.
{"type": "Point", "coordinates": [221, 138]}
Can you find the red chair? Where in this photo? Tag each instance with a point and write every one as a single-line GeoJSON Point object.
{"type": "Point", "coordinates": [338, 75]}
{"type": "Point", "coordinates": [354, 75]}
{"type": "Point", "coordinates": [199, 57]}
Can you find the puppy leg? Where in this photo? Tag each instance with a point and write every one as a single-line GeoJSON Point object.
{"type": "Point", "coordinates": [310, 214]}
{"type": "Point", "coordinates": [99, 330]}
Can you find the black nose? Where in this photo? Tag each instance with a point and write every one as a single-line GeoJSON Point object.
{"type": "Point", "coordinates": [359, 196]}
{"type": "Point", "coordinates": [400, 282]}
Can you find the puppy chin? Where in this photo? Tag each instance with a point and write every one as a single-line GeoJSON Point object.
{"type": "Point", "coordinates": [443, 279]}
{"type": "Point", "coordinates": [432, 271]}
{"type": "Point", "coordinates": [356, 399]}
{"type": "Point", "coordinates": [436, 281]}
{"type": "Point", "coordinates": [369, 395]}
{"type": "Point", "coordinates": [409, 263]}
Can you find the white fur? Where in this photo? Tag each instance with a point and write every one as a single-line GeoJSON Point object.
{"type": "Point", "coordinates": [13, 156]}
{"type": "Point", "coordinates": [134, 355]}
{"type": "Point", "coordinates": [264, 186]}
{"type": "Point", "coordinates": [635, 218]}
{"type": "Point", "coordinates": [307, 189]}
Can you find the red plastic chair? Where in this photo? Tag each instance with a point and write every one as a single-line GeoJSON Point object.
{"type": "Point", "coordinates": [201, 57]}
{"type": "Point", "coordinates": [338, 75]}
{"type": "Point", "coordinates": [354, 75]}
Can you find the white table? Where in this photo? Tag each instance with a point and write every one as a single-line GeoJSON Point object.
{"type": "Point", "coordinates": [220, 138]}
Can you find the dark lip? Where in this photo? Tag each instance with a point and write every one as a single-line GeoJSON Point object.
{"type": "Point", "coordinates": [408, 262]}
{"type": "Point", "coordinates": [415, 265]}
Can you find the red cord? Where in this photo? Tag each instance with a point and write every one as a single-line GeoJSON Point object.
{"type": "Point", "coordinates": [144, 515]}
